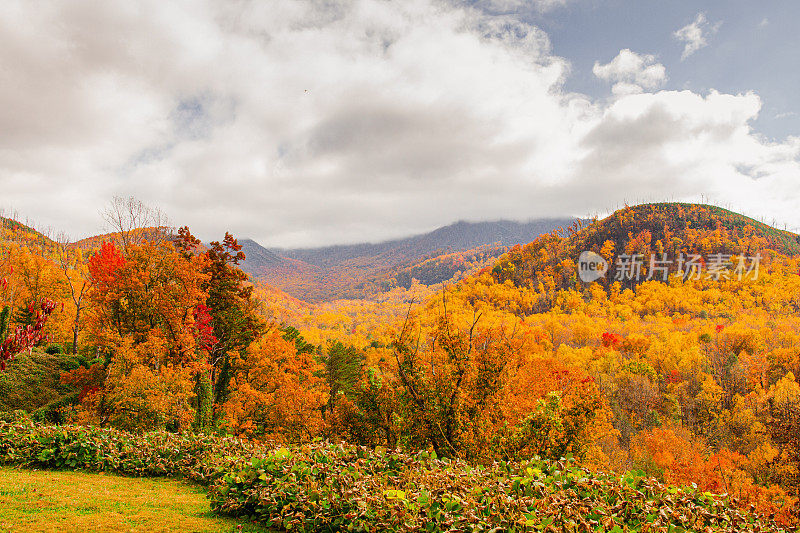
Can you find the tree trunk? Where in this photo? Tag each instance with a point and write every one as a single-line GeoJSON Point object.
{"type": "Point", "coordinates": [75, 329]}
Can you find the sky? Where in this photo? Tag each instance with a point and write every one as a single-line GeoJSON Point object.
{"type": "Point", "coordinates": [307, 123]}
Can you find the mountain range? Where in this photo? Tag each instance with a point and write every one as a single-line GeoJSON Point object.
{"type": "Point", "coordinates": [357, 270]}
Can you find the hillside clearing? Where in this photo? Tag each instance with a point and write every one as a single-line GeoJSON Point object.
{"type": "Point", "coordinates": [53, 501]}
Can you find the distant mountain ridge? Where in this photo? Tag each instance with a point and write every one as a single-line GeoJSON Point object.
{"type": "Point", "coordinates": [461, 235]}
{"type": "Point", "coordinates": [668, 232]}
{"type": "Point", "coordinates": [257, 254]}
{"type": "Point", "coordinates": [353, 271]}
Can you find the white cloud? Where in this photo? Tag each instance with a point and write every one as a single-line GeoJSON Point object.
{"type": "Point", "coordinates": [631, 72]}
{"type": "Point", "coordinates": [303, 123]}
{"type": "Point", "coordinates": [696, 34]}
{"type": "Point", "coordinates": [516, 6]}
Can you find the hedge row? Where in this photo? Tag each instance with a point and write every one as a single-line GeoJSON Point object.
{"type": "Point", "coordinates": [332, 487]}
{"type": "Point", "coordinates": [200, 458]}
{"type": "Point", "coordinates": [326, 487]}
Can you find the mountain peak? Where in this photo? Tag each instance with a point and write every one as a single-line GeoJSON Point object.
{"type": "Point", "coordinates": [353, 270]}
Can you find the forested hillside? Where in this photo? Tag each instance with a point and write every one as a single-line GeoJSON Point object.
{"type": "Point", "coordinates": [676, 366]}
{"type": "Point", "coordinates": [363, 270]}
{"type": "Point", "coordinates": [661, 233]}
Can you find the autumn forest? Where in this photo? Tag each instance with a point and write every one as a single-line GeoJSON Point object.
{"type": "Point", "coordinates": [676, 380]}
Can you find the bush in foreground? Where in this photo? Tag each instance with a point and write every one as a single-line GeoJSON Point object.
{"type": "Point", "coordinates": [332, 487]}
{"type": "Point", "coordinates": [326, 487]}
{"type": "Point", "coordinates": [200, 458]}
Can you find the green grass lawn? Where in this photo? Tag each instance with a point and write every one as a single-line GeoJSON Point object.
{"type": "Point", "coordinates": [48, 501]}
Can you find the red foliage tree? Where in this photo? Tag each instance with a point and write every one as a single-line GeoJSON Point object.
{"type": "Point", "coordinates": [26, 337]}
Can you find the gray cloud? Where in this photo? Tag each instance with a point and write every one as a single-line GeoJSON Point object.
{"type": "Point", "coordinates": [303, 123]}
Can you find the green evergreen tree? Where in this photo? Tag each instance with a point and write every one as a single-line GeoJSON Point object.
{"type": "Point", "coordinates": [205, 405]}
{"type": "Point", "coordinates": [343, 366]}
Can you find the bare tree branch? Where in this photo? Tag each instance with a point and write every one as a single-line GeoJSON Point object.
{"type": "Point", "coordinates": [134, 222]}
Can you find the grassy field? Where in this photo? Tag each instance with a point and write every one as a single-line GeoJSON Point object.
{"type": "Point", "coordinates": [47, 501]}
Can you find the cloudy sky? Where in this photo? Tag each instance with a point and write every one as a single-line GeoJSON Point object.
{"type": "Point", "coordinates": [301, 123]}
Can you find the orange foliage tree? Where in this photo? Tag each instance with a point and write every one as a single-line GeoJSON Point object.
{"type": "Point", "coordinates": [276, 391]}
{"type": "Point", "coordinates": [142, 315]}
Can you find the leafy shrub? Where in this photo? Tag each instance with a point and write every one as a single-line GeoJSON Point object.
{"type": "Point", "coordinates": [14, 416]}
{"type": "Point", "coordinates": [53, 412]}
{"type": "Point", "coordinates": [325, 487]}
{"type": "Point", "coordinates": [54, 349]}
{"type": "Point", "coordinates": [200, 458]}
{"type": "Point", "coordinates": [33, 380]}
{"type": "Point", "coordinates": [71, 362]}
{"type": "Point", "coordinates": [334, 487]}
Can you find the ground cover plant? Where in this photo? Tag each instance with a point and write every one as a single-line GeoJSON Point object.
{"type": "Point", "coordinates": [326, 486]}
{"type": "Point", "coordinates": [195, 457]}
